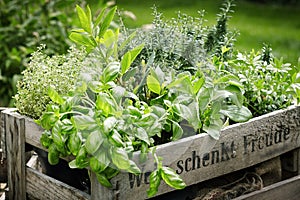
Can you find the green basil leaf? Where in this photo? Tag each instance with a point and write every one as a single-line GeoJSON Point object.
{"type": "Point", "coordinates": [154, 179]}
{"type": "Point", "coordinates": [177, 82]}
{"type": "Point", "coordinates": [118, 93]}
{"type": "Point", "coordinates": [84, 122]}
{"type": "Point", "coordinates": [133, 168]}
{"type": "Point", "coordinates": [72, 164]}
{"type": "Point", "coordinates": [96, 165]}
{"type": "Point", "coordinates": [96, 86]}
{"type": "Point", "coordinates": [103, 180]}
{"type": "Point", "coordinates": [134, 111]}
{"type": "Point", "coordinates": [66, 126]}
{"type": "Point", "coordinates": [111, 172]}
{"type": "Point", "coordinates": [54, 96]}
{"type": "Point", "coordinates": [68, 104]}
{"type": "Point", "coordinates": [237, 114]}
{"type": "Point", "coordinates": [74, 143]}
{"type": "Point", "coordinates": [213, 130]}
{"type": "Point", "coordinates": [120, 158]}
{"type": "Point", "coordinates": [101, 156]}
{"type": "Point", "coordinates": [142, 135]}
{"type": "Point", "coordinates": [116, 139]}
{"type": "Point", "coordinates": [109, 123]}
{"type": "Point", "coordinates": [48, 120]}
{"type": "Point", "coordinates": [57, 137]}
{"type": "Point", "coordinates": [81, 87]}
{"type": "Point", "coordinates": [129, 57]}
{"type": "Point", "coordinates": [53, 155]}
{"type": "Point", "coordinates": [94, 141]}
{"type": "Point", "coordinates": [204, 97]}
{"type": "Point", "coordinates": [171, 178]}
{"type": "Point", "coordinates": [110, 72]}
{"type": "Point", "coordinates": [177, 131]}
{"type": "Point", "coordinates": [82, 159]}
{"type": "Point", "coordinates": [144, 153]}
{"type": "Point", "coordinates": [105, 104]}
{"type": "Point", "coordinates": [45, 140]}
{"type": "Point", "coordinates": [100, 17]}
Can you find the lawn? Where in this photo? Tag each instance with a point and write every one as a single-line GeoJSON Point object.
{"type": "Point", "coordinates": [278, 26]}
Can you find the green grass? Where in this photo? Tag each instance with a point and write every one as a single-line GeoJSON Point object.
{"type": "Point", "coordinates": [278, 26]}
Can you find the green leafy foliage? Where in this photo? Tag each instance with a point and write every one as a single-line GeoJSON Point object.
{"type": "Point", "coordinates": [133, 95]}
{"type": "Point", "coordinates": [24, 25]}
{"type": "Point", "coordinates": [103, 121]}
{"type": "Point", "coordinates": [269, 83]}
{"type": "Point", "coordinates": [60, 72]}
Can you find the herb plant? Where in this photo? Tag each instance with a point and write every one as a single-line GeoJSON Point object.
{"type": "Point", "coordinates": [24, 25]}
{"type": "Point", "coordinates": [269, 83]}
{"type": "Point", "coordinates": [107, 116]}
{"type": "Point", "coordinates": [183, 43]}
{"type": "Point", "coordinates": [59, 72]}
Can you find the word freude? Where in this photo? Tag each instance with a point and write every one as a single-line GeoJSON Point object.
{"type": "Point", "coordinates": [225, 151]}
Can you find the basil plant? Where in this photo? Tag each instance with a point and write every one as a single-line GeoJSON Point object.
{"type": "Point", "coordinates": [110, 113]}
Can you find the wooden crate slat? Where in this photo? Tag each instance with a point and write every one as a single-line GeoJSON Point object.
{"type": "Point", "coordinates": [3, 165]}
{"type": "Point", "coordinates": [199, 158]}
{"type": "Point", "coordinates": [41, 186]}
{"type": "Point", "coordinates": [2, 136]}
{"type": "Point", "coordinates": [240, 146]}
{"type": "Point", "coordinates": [15, 149]}
{"type": "Point", "coordinates": [33, 133]}
{"type": "Point", "coordinates": [287, 189]}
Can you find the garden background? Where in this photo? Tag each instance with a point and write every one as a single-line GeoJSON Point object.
{"type": "Point", "coordinates": [25, 24]}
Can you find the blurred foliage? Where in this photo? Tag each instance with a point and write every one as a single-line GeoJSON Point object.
{"type": "Point", "coordinates": [24, 25]}
{"type": "Point", "coordinates": [279, 2]}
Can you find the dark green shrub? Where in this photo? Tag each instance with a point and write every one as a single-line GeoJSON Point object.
{"type": "Point", "coordinates": [24, 25]}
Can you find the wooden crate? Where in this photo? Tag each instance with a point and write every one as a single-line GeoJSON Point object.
{"type": "Point", "coordinates": [287, 189]}
{"type": "Point", "coordinates": [3, 166]}
{"type": "Point", "coordinates": [196, 158]}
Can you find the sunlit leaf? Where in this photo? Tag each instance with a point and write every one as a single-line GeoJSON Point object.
{"type": "Point", "coordinates": [153, 84]}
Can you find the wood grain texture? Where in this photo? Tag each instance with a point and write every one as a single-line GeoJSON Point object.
{"type": "Point", "coordinates": [287, 189]}
{"type": "Point", "coordinates": [2, 133]}
{"type": "Point", "coordinates": [3, 164]}
{"type": "Point", "coordinates": [100, 192]}
{"type": "Point", "coordinates": [41, 186]}
{"type": "Point", "coordinates": [199, 158]}
{"type": "Point", "coordinates": [15, 149]}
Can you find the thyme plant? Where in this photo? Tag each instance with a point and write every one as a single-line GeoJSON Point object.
{"type": "Point", "coordinates": [59, 72]}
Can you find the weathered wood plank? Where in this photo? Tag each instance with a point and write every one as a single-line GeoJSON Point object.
{"type": "Point", "coordinates": [3, 168]}
{"type": "Point", "coordinates": [199, 158]}
{"type": "Point", "coordinates": [287, 189]}
{"type": "Point", "coordinates": [41, 186]}
{"type": "Point", "coordinates": [33, 133]}
{"type": "Point", "coordinates": [3, 165]}
{"type": "Point", "coordinates": [2, 136]}
{"type": "Point", "coordinates": [100, 192]}
{"type": "Point", "coordinates": [15, 149]}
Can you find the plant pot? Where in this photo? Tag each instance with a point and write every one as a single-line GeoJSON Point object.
{"type": "Point", "coordinates": [196, 158]}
